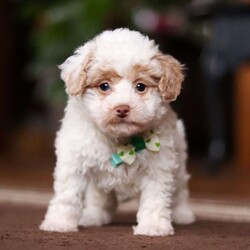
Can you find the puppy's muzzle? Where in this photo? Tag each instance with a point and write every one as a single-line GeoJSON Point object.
{"type": "Point", "coordinates": [122, 111]}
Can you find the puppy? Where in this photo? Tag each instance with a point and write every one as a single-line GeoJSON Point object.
{"type": "Point", "coordinates": [119, 135]}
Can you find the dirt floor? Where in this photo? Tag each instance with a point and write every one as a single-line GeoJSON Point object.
{"type": "Point", "coordinates": [19, 230]}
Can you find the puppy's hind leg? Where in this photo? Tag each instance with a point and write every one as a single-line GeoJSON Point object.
{"type": "Point", "coordinates": [99, 207]}
{"type": "Point", "coordinates": [182, 212]}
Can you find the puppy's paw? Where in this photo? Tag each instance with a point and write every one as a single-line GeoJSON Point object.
{"type": "Point", "coordinates": [161, 227]}
{"type": "Point", "coordinates": [93, 216]}
{"type": "Point", "coordinates": [58, 225]}
{"type": "Point", "coordinates": [183, 215]}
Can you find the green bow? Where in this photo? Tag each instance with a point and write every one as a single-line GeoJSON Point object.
{"type": "Point", "coordinates": [127, 153]}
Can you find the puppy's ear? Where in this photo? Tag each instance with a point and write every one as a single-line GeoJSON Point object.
{"type": "Point", "coordinates": [172, 77]}
{"type": "Point", "coordinates": [74, 70]}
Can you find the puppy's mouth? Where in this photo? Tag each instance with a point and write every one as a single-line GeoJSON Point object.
{"type": "Point", "coordinates": [124, 127]}
{"type": "Point", "coordinates": [129, 121]}
{"type": "Point", "coordinates": [124, 121]}
{"type": "Point", "coordinates": [116, 126]}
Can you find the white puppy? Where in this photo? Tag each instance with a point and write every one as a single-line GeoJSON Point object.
{"type": "Point", "coordinates": [119, 135]}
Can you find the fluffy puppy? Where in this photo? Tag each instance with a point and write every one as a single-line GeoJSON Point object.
{"type": "Point", "coordinates": [120, 86]}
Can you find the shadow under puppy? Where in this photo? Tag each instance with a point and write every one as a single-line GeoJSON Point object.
{"type": "Point", "coordinates": [119, 135]}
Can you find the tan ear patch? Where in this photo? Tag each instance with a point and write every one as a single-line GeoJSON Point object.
{"type": "Point", "coordinates": [76, 80]}
{"type": "Point", "coordinates": [172, 78]}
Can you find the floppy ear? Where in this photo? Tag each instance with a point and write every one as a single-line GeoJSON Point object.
{"type": "Point", "coordinates": [74, 70]}
{"type": "Point", "coordinates": [172, 77]}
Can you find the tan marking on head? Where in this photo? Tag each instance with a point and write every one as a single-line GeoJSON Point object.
{"type": "Point", "coordinates": [143, 73]}
{"type": "Point", "coordinates": [102, 75]}
{"type": "Point", "coordinates": [146, 75]}
{"type": "Point", "coordinates": [98, 76]}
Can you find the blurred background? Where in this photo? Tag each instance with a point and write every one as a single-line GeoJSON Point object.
{"type": "Point", "coordinates": [212, 39]}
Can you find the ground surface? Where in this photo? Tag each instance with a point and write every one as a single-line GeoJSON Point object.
{"type": "Point", "coordinates": [19, 230]}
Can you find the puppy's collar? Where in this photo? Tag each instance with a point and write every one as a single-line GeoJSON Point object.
{"type": "Point", "coordinates": [126, 153]}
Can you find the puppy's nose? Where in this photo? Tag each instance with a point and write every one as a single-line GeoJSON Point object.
{"type": "Point", "coordinates": [122, 111]}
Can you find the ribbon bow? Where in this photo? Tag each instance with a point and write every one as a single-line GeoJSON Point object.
{"type": "Point", "coordinates": [127, 153]}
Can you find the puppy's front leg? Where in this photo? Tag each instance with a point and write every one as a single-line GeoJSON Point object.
{"type": "Point", "coordinates": [65, 208]}
{"type": "Point", "coordinates": [154, 214]}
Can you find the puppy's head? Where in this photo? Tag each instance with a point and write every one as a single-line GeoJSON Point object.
{"type": "Point", "coordinates": [123, 80]}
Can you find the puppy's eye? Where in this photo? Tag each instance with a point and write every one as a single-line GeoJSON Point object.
{"type": "Point", "coordinates": [104, 87]}
{"type": "Point", "coordinates": [140, 87]}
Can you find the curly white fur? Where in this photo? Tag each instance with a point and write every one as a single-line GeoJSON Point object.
{"type": "Point", "coordinates": [86, 184]}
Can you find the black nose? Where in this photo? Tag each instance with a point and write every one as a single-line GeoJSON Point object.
{"type": "Point", "coordinates": [122, 111]}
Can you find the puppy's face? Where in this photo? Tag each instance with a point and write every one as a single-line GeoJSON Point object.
{"type": "Point", "coordinates": [123, 105]}
{"type": "Point", "coordinates": [127, 90]}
